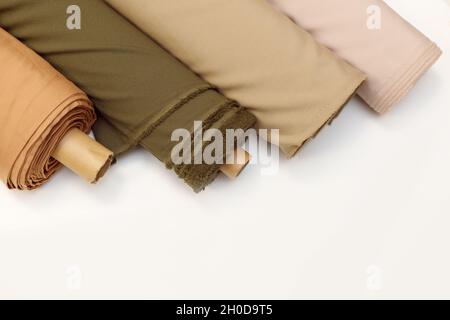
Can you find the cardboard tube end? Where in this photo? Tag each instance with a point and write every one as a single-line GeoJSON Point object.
{"type": "Point", "coordinates": [236, 163]}
{"type": "Point", "coordinates": [83, 155]}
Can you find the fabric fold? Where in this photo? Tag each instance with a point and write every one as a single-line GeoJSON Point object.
{"type": "Point", "coordinates": [256, 56]}
{"type": "Point", "coordinates": [141, 92]}
{"type": "Point", "coordinates": [38, 106]}
{"type": "Point", "coordinates": [374, 38]}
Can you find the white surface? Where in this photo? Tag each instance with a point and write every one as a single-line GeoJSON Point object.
{"type": "Point", "coordinates": [362, 212]}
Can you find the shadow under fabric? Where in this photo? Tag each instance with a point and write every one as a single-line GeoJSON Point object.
{"type": "Point", "coordinates": [394, 55]}
{"type": "Point", "coordinates": [38, 107]}
{"type": "Point", "coordinates": [141, 92]}
{"type": "Point", "coordinates": [256, 56]}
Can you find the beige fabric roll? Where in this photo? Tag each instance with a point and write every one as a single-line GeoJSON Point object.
{"type": "Point", "coordinates": [256, 56]}
{"type": "Point", "coordinates": [38, 106]}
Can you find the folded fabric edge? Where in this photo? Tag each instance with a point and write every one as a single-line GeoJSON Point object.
{"type": "Point", "coordinates": [403, 84]}
{"type": "Point", "coordinates": [328, 115]}
{"type": "Point", "coordinates": [122, 141]}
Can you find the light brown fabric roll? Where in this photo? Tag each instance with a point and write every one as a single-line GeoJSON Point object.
{"type": "Point", "coordinates": [38, 106]}
{"type": "Point", "coordinates": [256, 56]}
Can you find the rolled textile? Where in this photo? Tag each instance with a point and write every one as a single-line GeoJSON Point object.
{"type": "Point", "coordinates": [141, 92]}
{"type": "Point", "coordinates": [39, 108]}
{"type": "Point", "coordinates": [256, 56]}
{"type": "Point", "coordinates": [372, 37]}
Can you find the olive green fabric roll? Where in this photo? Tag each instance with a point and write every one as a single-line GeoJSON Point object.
{"type": "Point", "coordinates": [140, 91]}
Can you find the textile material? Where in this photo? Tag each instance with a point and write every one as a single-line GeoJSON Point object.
{"type": "Point", "coordinates": [372, 37]}
{"type": "Point", "coordinates": [141, 92]}
{"type": "Point", "coordinates": [256, 56]}
{"type": "Point", "coordinates": [38, 106]}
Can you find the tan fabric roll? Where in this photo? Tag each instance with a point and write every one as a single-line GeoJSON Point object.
{"type": "Point", "coordinates": [38, 106]}
{"type": "Point", "coordinates": [256, 56]}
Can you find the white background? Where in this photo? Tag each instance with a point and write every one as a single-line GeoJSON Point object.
{"type": "Point", "coordinates": [362, 212]}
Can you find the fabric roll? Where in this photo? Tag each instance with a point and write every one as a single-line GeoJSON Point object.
{"type": "Point", "coordinates": [256, 56]}
{"type": "Point", "coordinates": [141, 92]}
{"type": "Point", "coordinates": [372, 37]}
{"type": "Point", "coordinates": [38, 106]}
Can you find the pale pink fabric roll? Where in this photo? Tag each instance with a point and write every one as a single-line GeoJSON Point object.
{"type": "Point", "coordinates": [372, 37]}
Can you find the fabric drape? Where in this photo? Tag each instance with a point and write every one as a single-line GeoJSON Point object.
{"type": "Point", "coordinates": [256, 56]}
{"type": "Point", "coordinates": [372, 37]}
{"type": "Point", "coordinates": [38, 106]}
{"type": "Point", "coordinates": [141, 92]}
